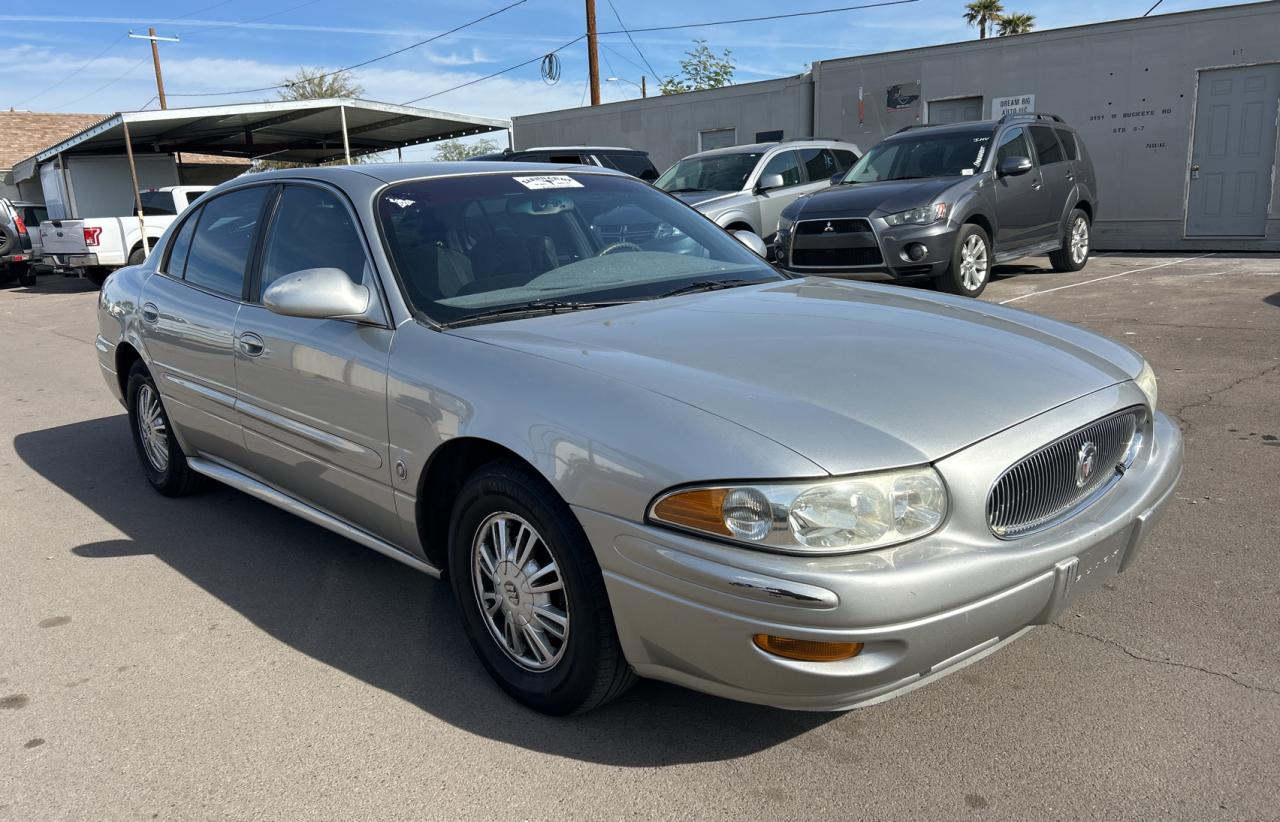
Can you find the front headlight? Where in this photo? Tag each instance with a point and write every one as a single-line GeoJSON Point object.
{"type": "Point", "coordinates": [924, 215]}
{"type": "Point", "coordinates": [1146, 380]}
{"type": "Point", "coordinates": [855, 513]}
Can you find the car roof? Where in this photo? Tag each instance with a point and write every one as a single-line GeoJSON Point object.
{"type": "Point", "coordinates": [760, 148]}
{"type": "Point", "coordinates": [579, 148]}
{"type": "Point", "coordinates": [397, 172]}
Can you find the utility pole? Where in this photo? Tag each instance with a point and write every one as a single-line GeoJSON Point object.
{"type": "Point", "coordinates": [155, 59]}
{"type": "Point", "coordinates": [644, 86]}
{"type": "Point", "coordinates": [593, 60]}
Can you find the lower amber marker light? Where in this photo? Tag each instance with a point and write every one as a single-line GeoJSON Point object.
{"type": "Point", "coordinates": [808, 650]}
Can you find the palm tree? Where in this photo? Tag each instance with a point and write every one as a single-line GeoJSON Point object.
{"type": "Point", "coordinates": [983, 13]}
{"type": "Point", "coordinates": [1017, 23]}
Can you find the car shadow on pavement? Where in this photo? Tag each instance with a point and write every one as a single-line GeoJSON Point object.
{"type": "Point", "coordinates": [369, 616]}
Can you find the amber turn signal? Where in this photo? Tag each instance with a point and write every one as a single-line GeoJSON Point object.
{"type": "Point", "coordinates": [808, 650]}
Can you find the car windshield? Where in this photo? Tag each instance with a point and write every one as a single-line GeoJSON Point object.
{"type": "Point", "coordinates": [475, 245]}
{"type": "Point", "coordinates": [717, 172]}
{"type": "Point", "coordinates": [927, 155]}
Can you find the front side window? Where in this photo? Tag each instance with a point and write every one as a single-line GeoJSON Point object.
{"type": "Point", "coordinates": [923, 155]}
{"type": "Point", "coordinates": [716, 172]}
{"type": "Point", "coordinates": [312, 228]}
{"type": "Point", "coordinates": [222, 240]}
{"type": "Point", "coordinates": [466, 246]}
{"type": "Point", "coordinates": [1047, 146]}
{"type": "Point", "coordinates": [176, 260]}
{"type": "Point", "coordinates": [1013, 144]}
{"type": "Point", "coordinates": [786, 165]}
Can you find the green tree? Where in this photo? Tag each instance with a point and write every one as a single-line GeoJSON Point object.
{"type": "Point", "coordinates": [1016, 23]}
{"type": "Point", "coordinates": [984, 14]}
{"type": "Point", "coordinates": [700, 69]}
{"type": "Point", "coordinates": [448, 150]}
{"type": "Point", "coordinates": [318, 84]}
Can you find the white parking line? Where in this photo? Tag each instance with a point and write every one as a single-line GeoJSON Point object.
{"type": "Point", "coordinates": [1108, 277]}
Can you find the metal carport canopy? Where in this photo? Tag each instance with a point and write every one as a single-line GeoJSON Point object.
{"type": "Point", "coordinates": [298, 131]}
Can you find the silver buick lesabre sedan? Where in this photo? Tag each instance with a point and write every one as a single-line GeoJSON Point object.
{"type": "Point", "coordinates": [631, 445]}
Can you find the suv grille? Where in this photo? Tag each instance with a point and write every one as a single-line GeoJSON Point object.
{"type": "Point", "coordinates": [854, 226]}
{"type": "Point", "coordinates": [836, 243]}
{"type": "Point", "coordinates": [1064, 476]}
{"type": "Point", "coordinates": [835, 257]}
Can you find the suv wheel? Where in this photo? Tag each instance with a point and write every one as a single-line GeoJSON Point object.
{"type": "Point", "coordinates": [162, 458]}
{"type": "Point", "coordinates": [532, 596]}
{"type": "Point", "coordinates": [25, 273]}
{"type": "Point", "coordinates": [970, 266]}
{"type": "Point", "coordinates": [1074, 254]}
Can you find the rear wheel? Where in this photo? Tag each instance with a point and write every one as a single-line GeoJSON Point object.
{"type": "Point", "coordinates": [1074, 254]}
{"type": "Point", "coordinates": [163, 461]}
{"type": "Point", "coordinates": [970, 266]}
{"type": "Point", "coordinates": [532, 595]}
{"type": "Point", "coordinates": [25, 273]}
{"type": "Point", "coordinates": [137, 256]}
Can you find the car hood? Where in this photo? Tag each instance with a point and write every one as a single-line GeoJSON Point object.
{"type": "Point", "coordinates": [703, 199]}
{"type": "Point", "coordinates": [865, 199]}
{"type": "Point", "coordinates": [852, 376]}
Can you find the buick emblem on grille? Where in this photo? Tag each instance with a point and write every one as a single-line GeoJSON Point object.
{"type": "Point", "coordinates": [1086, 460]}
{"type": "Point", "coordinates": [829, 227]}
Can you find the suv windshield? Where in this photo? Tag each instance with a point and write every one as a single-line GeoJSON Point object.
{"type": "Point", "coordinates": [467, 246]}
{"type": "Point", "coordinates": [927, 155]}
{"type": "Point", "coordinates": [718, 172]}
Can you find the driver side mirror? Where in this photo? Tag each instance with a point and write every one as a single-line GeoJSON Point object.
{"type": "Point", "coordinates": [838, 178]}
{"type": "Point", "coordinates": [321, 294]}
{"type": "Point", "coordinates": [1013, 166]}
{"type": "Point", "coordinates": [769, 181]}
{"type": "Point", "coordinates": [753, 242]}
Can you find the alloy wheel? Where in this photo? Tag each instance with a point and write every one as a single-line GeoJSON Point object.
{"type": "Point", "coordinates": [520, 591]}
{"type": "Point", "coordinates": [153, 428]}
{"type": "Point", "coordinates": [1079, 240]}
{"type": "Point", "coordinates": [973, 262]}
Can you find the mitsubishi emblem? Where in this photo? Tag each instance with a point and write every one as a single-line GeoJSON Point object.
{"type": "Point", "coordinates": [829, 227]}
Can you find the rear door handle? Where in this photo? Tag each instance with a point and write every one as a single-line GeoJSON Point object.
{"type": "Point", "coordinates": [251, 344]}
{"type": "Point", "coordinates": [150, 313]}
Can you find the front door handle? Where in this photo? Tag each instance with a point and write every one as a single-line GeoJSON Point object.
{"type": "Point", "coordinates": [150, 313]}
{"type": "Point", "coordinates": [251, 344]}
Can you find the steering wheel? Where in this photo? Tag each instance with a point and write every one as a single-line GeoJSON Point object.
{"type": "Point", "coordinates": [621, 245]}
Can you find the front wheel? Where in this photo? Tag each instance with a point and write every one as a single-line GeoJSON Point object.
{"type": "Point", "coordinates": [1074, 254]}
{"type": "Point", "coordinates": [163, 461]}
{"type": "Point", "coordinates": [532, 595]}
{"type": "Point", "coordinates": [970, 266]}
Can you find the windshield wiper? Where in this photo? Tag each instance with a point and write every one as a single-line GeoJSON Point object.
{"type": "Point", "coordinates": [534, 308]}
{"type": "Point", "coordinates": [705, 285]}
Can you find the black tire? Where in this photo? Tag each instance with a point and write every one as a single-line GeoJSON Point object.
{"type": "Point", "coordinates": [137, 256]}
{"type": "Point", "coordinates": [8, 239]}
{"type": "Point", "coordinates": [955, 279]}
{"type": "Point", "coordinates": [1066, 258]}
{"type": "Point", "coordinates": [97, 276]}
{"type": "Point", "coordinates": [26, 274]}
{"type": "Point", "coordinates": [591, 669]}
{"type": "Point", "coordinates": [170, 476]}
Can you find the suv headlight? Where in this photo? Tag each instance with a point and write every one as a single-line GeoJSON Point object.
{"type": "Point", "coordinates": [924, 215]}
{"type": "Point", "coordinates": [1146, 380]}
{"type": "Point", "coordinates": [833, 516]}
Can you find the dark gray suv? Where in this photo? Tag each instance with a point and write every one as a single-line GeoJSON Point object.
{"type": "Point", "coordinates": [948, 202]}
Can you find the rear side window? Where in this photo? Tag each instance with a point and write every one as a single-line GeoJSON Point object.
{"type": "Point", "coordinates": [223, 238]}
{"type": "Point", "coordinates": [820, 163]}
{"type": "Point", "coordinates": [176, 261]}
{"type": "Point", "coordinates": [1069, 144]}
{"type": "Point", "coordinates": [312, 229]}
{"type": "Point", "coordinates": [785, 164]}
{"type": "Point", "coordinates": [1047, 145]}
{"type": "Point", "coordinates": [844, 159]}
{"type": "Point", "coordinates": [637, 165]}
{"type": "Point", "coordinates": [1013, 144]}
{"type": "Point", "coordinates": [157, 204]}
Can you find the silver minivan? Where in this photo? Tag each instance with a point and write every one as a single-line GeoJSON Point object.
{"type": "Point", "coordinates": [745, 188]}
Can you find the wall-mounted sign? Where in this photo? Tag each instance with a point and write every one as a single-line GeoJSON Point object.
{"type": "Point", "coordinates": [1017, 104]}
{"type": "Point", "coordinates": [902, 96]}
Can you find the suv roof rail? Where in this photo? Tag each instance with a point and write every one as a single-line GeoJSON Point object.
{"type": "Point", "coordinates": [803, 139]}
{"type": "Point", "coordinates": [1030, 115]}
{"type": "Point", "coordinates": [916, 125]}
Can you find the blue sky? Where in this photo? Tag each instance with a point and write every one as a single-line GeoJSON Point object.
{"type": "Point", "coordinates": [74, 55]}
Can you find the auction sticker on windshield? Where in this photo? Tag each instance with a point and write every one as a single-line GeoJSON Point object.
{"type": "Point", "coordinates": [548, 181]}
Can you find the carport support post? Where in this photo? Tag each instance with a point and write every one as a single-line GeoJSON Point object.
{"type": "Point", "coordinates": [137, 195]}
{"type": "Point", "coordinates": [346, 145]}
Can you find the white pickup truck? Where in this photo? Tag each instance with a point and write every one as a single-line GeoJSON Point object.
{"type": "Point", "coordinates": [96, 246]}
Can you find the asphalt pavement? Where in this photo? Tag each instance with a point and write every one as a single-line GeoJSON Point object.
{"type": "Point", "coordinates": [213, 657]}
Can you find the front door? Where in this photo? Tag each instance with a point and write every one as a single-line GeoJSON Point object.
{"type": "Point", "coordinates": [313, 392]}
{"type": "Point", "coordinates": [1233, 150]}
{"type": "Point", "coordinates": [772, 202]}
{"type": "Point", "coordinates": [1022, 201]}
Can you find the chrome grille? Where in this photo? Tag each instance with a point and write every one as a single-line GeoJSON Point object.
{"type": "Point", "coordinates": [1053, 483]}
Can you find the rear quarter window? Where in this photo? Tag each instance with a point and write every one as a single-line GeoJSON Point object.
{"type": "Point", "coordinates": [1069, 144]}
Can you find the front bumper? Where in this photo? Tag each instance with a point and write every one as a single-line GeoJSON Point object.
{"type": "Point", "coordinates": [938, 241]}
{"type": "Point", "coordinates": [686, 609]}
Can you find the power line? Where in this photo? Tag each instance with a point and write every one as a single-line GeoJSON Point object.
{"type": "Point", "coordinates": [623, 25]}
{"type": "Point", "coordinates": [624, 58]}
{"type": "Point", "coordinates": [761, 19]}
{"type": "Point", "coordinates": [109, 83]}
{"type": "Point", "coordinates": [1153, 8]}
{"type": "Point", "coordinates": [237, 23]}
{"type": "Point", "coordinates": [409, 47]}
{"type": "Point", "coordinates": [577, 39]}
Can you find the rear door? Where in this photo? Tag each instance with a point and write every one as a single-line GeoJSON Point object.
{"type": "Point", "coordinates": [313, 392]}
{"type": "Point", "coordinates": [1022, 201]}
{"type": "Point", "coordinates": [189, 311]}
{"type": "Point", "coordinates": [1057, 172]}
